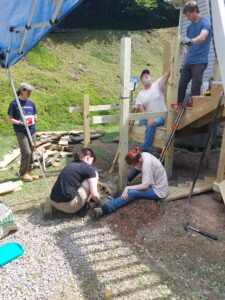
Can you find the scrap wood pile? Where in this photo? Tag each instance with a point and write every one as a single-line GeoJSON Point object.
{"type": "Point", "coordinates": [55, 145]}
{"type": "Point", "coordinates": [50, 147]}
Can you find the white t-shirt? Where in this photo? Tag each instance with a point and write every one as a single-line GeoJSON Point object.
{"type": "Point", "coordinates": [154, 174]}
{"type": "Point", "coordinates": [153, 98]}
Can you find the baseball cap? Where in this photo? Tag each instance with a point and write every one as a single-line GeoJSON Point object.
{"type": "Point", "coordinates": [26, 86]}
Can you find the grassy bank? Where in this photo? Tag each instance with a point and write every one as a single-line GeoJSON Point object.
{"type": "Point", "coordinates": [66, 65]}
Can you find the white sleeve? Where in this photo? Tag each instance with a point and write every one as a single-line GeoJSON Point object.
{"type": "Point", "coordinates": [139, 99]}
{"type": "Point", "coordinates": [160, 83]}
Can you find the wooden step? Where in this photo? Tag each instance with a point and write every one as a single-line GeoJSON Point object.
{"type": "Point", "coordinates": [202, 106]}
{"type": "Point", "coordinates": [180, 192]}
{"type": "Point", "coordinates": [137, 135]}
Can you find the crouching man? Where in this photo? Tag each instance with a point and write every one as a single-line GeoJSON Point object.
{"type": "Point", "coordinates": [154, 184]}
{"type": "Point", "coordinates": [76, 184]}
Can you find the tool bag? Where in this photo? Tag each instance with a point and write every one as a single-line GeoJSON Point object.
{"type": "Point", "coordinates": [7, 222]}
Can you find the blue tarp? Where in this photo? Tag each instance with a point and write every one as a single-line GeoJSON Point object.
{"type": "Point", "coordinates": [15, 15]}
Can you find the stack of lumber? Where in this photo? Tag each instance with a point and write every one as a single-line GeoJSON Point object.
{"type": "Point", "coordinates": [55, 145]}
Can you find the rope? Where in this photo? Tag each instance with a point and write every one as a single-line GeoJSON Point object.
{"type": "Point", "coordinates": [27, 128]}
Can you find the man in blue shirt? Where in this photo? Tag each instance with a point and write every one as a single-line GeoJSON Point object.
{"type": "Point", "coordinates": [30, 115]}
{"type": "Point", "coordinates": [197, 44]}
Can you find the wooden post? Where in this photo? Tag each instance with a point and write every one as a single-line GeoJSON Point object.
{"type": "Point", "coordinates": [221, 166]}
{"type": "Point", "coordinates": [86, 116]}
{"type": "Point", "coordinates": [166, 62]}
{"type": "Point", "coordinates": [171, 99]}
{"type": "Point", "coordinates": [125, 64]}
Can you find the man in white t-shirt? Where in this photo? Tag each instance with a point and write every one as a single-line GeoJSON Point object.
{"type": "Point", "coordinates": [151, 99]}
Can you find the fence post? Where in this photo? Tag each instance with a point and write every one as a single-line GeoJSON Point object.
{"type": "Point", "coordinates": [125, 64]}
{"type": "Point", "coordinates": [86, 116]}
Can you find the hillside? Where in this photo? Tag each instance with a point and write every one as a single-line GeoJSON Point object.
{"type": "Point", "coordinates": [66, 65]}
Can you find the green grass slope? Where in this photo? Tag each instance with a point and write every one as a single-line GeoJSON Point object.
{"type": "Point", "coordinates": [66, 65]}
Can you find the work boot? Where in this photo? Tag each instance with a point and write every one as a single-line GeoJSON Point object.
{"type": "Point", "coordinates": [96, 213]}
{"type": "Point", "coordinates": [26, 177]}
{"type": "Point", "coordinates": [34, 177]}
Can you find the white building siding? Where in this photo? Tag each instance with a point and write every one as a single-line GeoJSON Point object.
{"type": "Point", "coordinates": [205, 11]}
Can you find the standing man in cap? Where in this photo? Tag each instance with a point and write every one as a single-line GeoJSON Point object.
{"type": "Point", "coordinates": [197, 44]}
{"type": "Point", "coordinates": [14, 117]}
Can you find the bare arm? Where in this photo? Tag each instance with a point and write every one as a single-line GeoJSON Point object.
{"type": "Point", "coordinates": [14, 121]}
{"type": "Point", "coordinates": [93, 183]}
{"type": "Point", "coordinates": [141, 108]}
{"type": "Point", "coordinates": [200, 38]}
{"type": "Point", "coordinates": [166, 76]}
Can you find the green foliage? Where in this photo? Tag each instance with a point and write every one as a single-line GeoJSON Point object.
{"type": "Point", "coordinates": [43, 58]}
{"type": "Point", "coordinates": [148, 4]}
{"type": "Point", "coordinates": [123, 14]}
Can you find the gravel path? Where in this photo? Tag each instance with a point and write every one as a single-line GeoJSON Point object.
{"type": "Point", "coordinates": [76, 259]}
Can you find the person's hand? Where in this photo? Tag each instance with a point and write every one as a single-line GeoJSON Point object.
{"type": "Point", "coordinates": [186, 42]}
{"type": "Point", "coordinates": [124, 195]}
{"type": "Point", "coordinates": [151, 122]}
{"type": "Point", "coordinates": [20, 123]}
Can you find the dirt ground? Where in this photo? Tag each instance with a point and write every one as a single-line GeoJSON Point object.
{"type": "Point", "coordinates": [192, 265]}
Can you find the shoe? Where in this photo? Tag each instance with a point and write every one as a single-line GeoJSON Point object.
{"type": "Point", "coordinates": [26, 177]}
{"type": "Point", "coordinates": [34, 177]}
{"type": "Point", "coordinates": [96, 213]}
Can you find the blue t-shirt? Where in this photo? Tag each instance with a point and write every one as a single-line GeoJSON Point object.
{"type": "Point", "coordinates": [198, 54]}
{"type": "Point", "coordinates": [29, 111]}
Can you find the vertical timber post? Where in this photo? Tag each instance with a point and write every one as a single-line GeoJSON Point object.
{"type": "Point", "coordinates": [86, 117]}
{"type": "Point", "coordinates": [171, 99]}
{"type": "Point", "coordinates": [125, 65]}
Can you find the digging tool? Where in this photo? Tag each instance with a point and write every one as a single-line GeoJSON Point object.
{"type": "Point", "coordinates": [209, 235]}
{"type": "Point", "coordinates": [187, 208]}
{"type": "Point", "coordinates": [174, 127]}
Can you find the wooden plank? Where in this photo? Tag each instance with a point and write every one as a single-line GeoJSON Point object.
{"type": "Point", "coordinates": [8, 158]}
{"type": "Point", "coordinates": [222, 189]}
{"type": "Point", "coordinates": [166, 62]}
{"type": "Point", "coordinates": [202, 105]}
{"type": "Point", "coordinates": [63, 142]}
{"type": "Point", "coordinates": [10, 186]}
{"type": "Point", "coordinates": [105, 119]}
{"type": "Point", "coordinates": [172, 99]}
{"type": "Point", "coordinates": [176, 193]}
{"type": "Point", "coordinates": [221, 165]}
{"type": "Point", "coordinates": [218, 13]}
{"type": "Point", "coordinates": [86, 116]}
{"type": "Point", "coordinates": [95, 108]}
{"type": "Point", "coordinates": [138, 132]}
{"type": "Point", "coordinates": [51, 160]}
{"type": "Point", "coordinates": [146, 115]}
{"type": "Point", "coordinates": [125, 66]}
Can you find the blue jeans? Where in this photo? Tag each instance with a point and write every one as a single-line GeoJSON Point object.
{"type": "Point", "coordinates": [132, 174]}
{"type": "Point", "coordinates": [150, 133]}
{"type": "Point", "coordinates": [112, 205]}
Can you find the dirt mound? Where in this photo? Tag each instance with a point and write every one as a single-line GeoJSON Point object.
{"type": "Point", "coordinates": [130, 219]}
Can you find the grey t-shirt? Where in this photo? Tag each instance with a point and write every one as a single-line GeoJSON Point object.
{"type": "Point", "coordinates": [154, 175]}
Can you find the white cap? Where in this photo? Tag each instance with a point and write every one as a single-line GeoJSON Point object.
{"type": "Point", "coordinates": [27, 86]}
